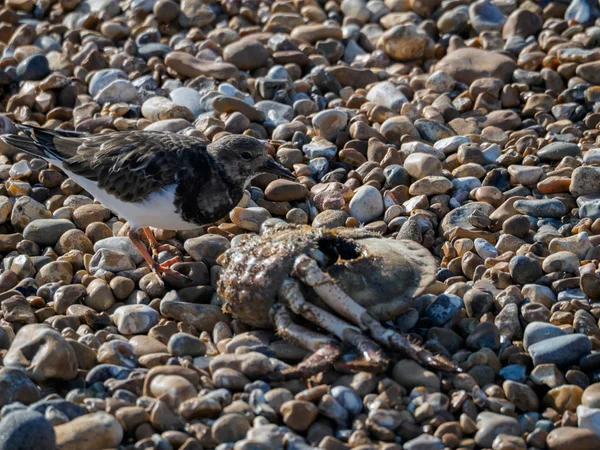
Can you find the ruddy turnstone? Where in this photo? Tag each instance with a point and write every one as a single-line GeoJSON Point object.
{"type": "Point", "coordinates": [157, 179]}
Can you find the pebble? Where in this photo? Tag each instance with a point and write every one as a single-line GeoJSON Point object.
{"type": "Point", "coordinates": [560, 350]}
{"type": "Point", "coordinates": [93, 431]}
{"type": "Point", "coordinates": [47, 231]}
{"type": "Point", "coordinates": [563, 438]}
{"type": "Point", "coordinates": [491, 424]}
{"type": "Point", "coordinates": [366, 205]}
{"type": "Point", "coordinates": [298, 414]}
{"type": "Point", "coordinates": [26, 429]}
{"type": "Point", "coordinates": [51, 357]}
{"type": "Point", "coordinates": [135, 319]}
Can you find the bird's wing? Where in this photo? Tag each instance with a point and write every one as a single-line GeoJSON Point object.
{"type": "Point", "coordinates": [128, 165]}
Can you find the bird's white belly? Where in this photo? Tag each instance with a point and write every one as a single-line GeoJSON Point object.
{"type": "Point", "coordinates": [158, 210]}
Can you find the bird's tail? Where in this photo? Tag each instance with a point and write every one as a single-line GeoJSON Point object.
{"type": "Point", "coordinates": [40, 142]}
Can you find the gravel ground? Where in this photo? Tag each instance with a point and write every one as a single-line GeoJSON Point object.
{"type": "Point", "coordinates": [468, 127]}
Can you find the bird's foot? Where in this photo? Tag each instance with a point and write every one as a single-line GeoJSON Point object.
{"type": "Point", "coordinates": [160, 270]}
{"type": "Point", "coordinates": [156, 249]}
{"type": "Point", "coordinates": [168, 263]}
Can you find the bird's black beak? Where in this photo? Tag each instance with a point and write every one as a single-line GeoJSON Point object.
{"type": "Point", "coordinates": [276, 168]}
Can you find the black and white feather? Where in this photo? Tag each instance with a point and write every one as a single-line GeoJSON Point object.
{"type": "Point", "coordinates": [158, 179]}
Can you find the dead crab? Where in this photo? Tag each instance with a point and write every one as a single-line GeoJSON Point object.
{"type": "Point", "coordinates": [309, 272]}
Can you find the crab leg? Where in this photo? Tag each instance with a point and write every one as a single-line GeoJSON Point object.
{"type": "Point", "coordinates": [307, 270]}
{"type": "Point", "coordinates": [291, 296]}
{"type": "Point", "coordinates": [326, 350]}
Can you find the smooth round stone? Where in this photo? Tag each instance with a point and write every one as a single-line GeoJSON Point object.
{"type": "Point", "coordinates": [450, 144]}
{"type": "Point", "coordinates": [564, 398]}
{"type": "Point", "coordinates": [469, 64]}
{"type": "Point", "coordinates": [579, 244]}
{"type": "Point", "coordinates": [454, 21]}
{"type": "Point", "coordinates": [444, 308]}
{"type": "Point", "coordinates": [122, 244]}
{"type": "Point", "coordinates": [589, 418]}
{"type": "Point", "coordinates": [541, 208]}
{"type": "Point", "coordinates": [459, 217]}
{"type": "Point", "coordinates": [298, 414]}
{"type": "Point", "coordinates": [47, 231]}
{"type": "Point", "coordinates": [579, 10]}
{"type": "Point", "coordinates": [246, 54]}
{"type": "Point", "coordinates": [591, 396]}
{"type": "Point", "coordinates": [26, 430]}
{"type": "Point", "coordinates": [432, 131]}
{"type": "Point", "coordinates": [592, 156]}
{"type": "Point", "coordinates": [568, 438]}
{"type": "Point", "coordinates": [183, 344]}
{"type": "Point", "coordinates": [386, 94]}
{"type": "Point", "coordinates": [348, 398]}
{"type": "Point", "coordinates": [111, 261]}
{"type": "Point", "coordinates": [440, 81]}
{"type": "Point", "coordinates": [118, 91]}
{"type": "Point", "coordinates": [485, 335]}
{"type": "Point", "coordinates": [367, 204]}
{"type": "Point", "coordinates": [561, 350]}
{"type": "Point", "coordinates": [251, 218]}
{"type": "Point", "coordinates": [16, 386]}
{"type": "Point", "coordinates": [485, 249]}
{"type": "Point", "coordinates": [285, 191]}
{"type": "Point", "coordinates": [230, 428]}
{"type": "Point", "coordinates": [466, 183]}
{"type": "Point", "coordinates": [585, 180]}
{"type": "Point", "coordinates": [524, 269]}
{"type": "Point", "coordinates": [420, 165]}
{"type": "Point", "coordinates": [94, 431]}
{"type": "Point", "coordinates": [33, 68]}
{"type": "Point", "coordinates": [561, 262]}
{"type": "Point", "coordinates": [172, 389]}
{"type": "Point", "coordinates": [590, 210]}
{"type": "Point", "coordinates": [521, 395]}
{"type": "Point", "coordinates": [558, 150]}
{"type": "Point", "coordinates": [424, 442]}
{"type": "Point", "coordinates": [410, 374]}
{"type": "Point", "coordinates": [154, 49]}
{"type": "Point", "coordinates": [539, 331]}
{"type": "Point", "coordinates": [276, 113]}
{"type": "Point", "coordinates": [135, 319]}
{"type": "Point", "coordinates": [330, 123]}
{"type": "Point", "coordinates": [187, 97]}
{"type": "Point", "coordinates": [491, 424]}
{"type": "Point", "coordinates": [431, 185]}
{"type": "Point", "coordinates": [161, 108]}
{"type": "Point", "coordinates": [507, 321]}
{"type": "Point", "coordinates": [396, 175]}
{"type": "Point", "coordinates": [103, 78]}
{"type": "Point", "coordinates": [404, 42]}
{"type": "Point", "coordinates": [330, 218]}
{"type": "Point", "coordinates": [320, 148]}
{"type": "Point", "coordinates": [169, 125]}
{"type": "Point", "coordinates": [514, 372]}
{"type": "Point", "coordinates": [485, 16]}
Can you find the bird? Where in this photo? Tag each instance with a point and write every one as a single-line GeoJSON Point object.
{"type": "Point", "coordinates": [153, 178]}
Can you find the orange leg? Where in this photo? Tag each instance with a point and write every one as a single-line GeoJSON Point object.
{"type": "Point", "coordinates": [157, 247]}
{"type": "Point", "coordinates": [157, 268]}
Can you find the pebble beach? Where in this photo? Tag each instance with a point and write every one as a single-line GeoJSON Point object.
{"type": "Point", "coordinates": [471, 128]}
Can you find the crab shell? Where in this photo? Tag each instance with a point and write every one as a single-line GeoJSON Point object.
{"type": "Point", "coordinates": [383, 275]}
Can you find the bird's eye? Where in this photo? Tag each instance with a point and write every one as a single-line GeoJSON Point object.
{"type": "Point", "coordinates": [246, 155]}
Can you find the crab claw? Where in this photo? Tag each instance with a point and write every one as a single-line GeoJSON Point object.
{"type": "Point", "coordinates": [437, 362]}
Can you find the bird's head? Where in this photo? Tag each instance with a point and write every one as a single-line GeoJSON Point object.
{"type": "Point", "coordinates": [242, 157]}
